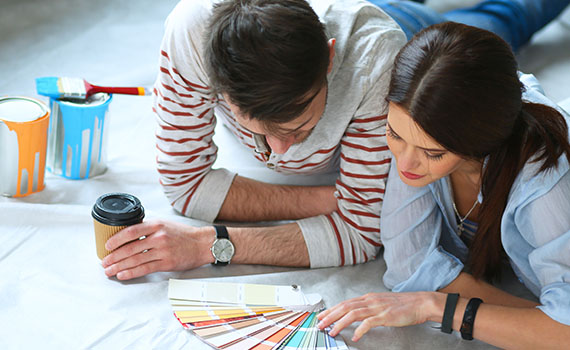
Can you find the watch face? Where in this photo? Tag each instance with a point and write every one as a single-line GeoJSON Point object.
{"type": "Point", "coordinates": [223, 250]}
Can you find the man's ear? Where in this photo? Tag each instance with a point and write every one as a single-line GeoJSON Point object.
{"type": "Point", "coordinates": [331, 44]}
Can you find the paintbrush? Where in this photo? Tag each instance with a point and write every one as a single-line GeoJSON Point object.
{"type": "Point", "coordinates": [79, 89]}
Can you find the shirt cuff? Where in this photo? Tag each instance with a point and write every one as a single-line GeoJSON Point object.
{"type": "Point", "coordinates": [321, 244]}
{"type": "Point", "coordinates": [555, 300]}
{"type": "Point", "coordinates": [210, 195]}
{"type": "Point", "coordinates": [438, 270]}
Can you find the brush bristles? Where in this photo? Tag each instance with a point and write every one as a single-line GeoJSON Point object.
{"type": "Point", "coordinates": [57, 88]}
{"type": "Point", "coordinates": [47, 86]}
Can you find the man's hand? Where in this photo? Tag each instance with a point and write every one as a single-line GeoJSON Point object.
{"type": "Point", "coordinates": [157, 246]}
{"type": "Point", "coordinates": [170, 246]}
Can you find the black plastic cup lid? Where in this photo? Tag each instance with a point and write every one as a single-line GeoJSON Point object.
{"type": "Point", "coordinates": [118, 209]}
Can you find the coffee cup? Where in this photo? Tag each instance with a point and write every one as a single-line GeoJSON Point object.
{"type": "Point", "coordinates": [111, 213]}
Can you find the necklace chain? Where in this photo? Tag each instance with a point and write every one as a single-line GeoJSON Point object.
{"type": "Point", "coordinates": [462, 219]}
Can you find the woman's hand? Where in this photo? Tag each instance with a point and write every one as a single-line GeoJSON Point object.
{"type": "Point", "coordinates": [157, 246]}
{"type": "Point", "coordinates": [382, 309]}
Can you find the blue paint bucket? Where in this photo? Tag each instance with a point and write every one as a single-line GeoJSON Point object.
{"type": "Point", "coordinates": [77, 138]}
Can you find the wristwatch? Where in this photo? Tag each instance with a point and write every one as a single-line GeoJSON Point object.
{"type": "Point", "coordinates": [223, 249]}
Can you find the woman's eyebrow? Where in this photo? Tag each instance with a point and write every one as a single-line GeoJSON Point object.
{"type": "Point", "coordinates": [392, 129]}
{"type": "Point", "coordinates": [432, 149]}
{"type": "Point", "coordinates": [422, 148]}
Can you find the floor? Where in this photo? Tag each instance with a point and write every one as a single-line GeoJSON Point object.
{"type": "Point", "coordinates": [115, 42]}
{"type": "Point", "coordinates": [50, 273]}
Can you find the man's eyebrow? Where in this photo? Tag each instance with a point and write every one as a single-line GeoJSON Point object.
{"type": "Point", "coordinates": [422, 148]}
{"type": "Point", "coordinates": [306, 121]}
{"type": "Point", "coordinates": [297, 128]}
{"type": "Point", "coordinates": [246, 129]}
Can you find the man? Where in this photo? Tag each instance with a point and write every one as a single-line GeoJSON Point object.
{"type": "Point", "coordinates": [303, 88]}
{"type": "Point", "coordinates": [302, 85]}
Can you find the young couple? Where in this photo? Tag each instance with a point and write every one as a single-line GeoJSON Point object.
{"type": "Point", "coordinates": [479, 158]}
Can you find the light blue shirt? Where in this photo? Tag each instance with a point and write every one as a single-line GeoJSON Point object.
{"type": "Point", "coordinates": [424, 253]}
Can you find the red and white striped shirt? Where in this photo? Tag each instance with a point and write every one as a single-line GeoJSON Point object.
{"type": "Point", "coordinates": [349, 137]}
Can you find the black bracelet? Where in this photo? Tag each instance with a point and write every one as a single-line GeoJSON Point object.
{"type": "Point", "coordinates": [469, 318]}
{"type": "Point", "coordinates": [449, 312]}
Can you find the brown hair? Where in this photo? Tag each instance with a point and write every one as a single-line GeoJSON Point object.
{"type": "Point", "coordinates": [267, 56]}
{"type": "Point", "coordinates": [460, 85]}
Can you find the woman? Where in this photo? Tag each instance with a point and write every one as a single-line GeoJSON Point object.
{"type": "Point", "coordinates": [479, 176]}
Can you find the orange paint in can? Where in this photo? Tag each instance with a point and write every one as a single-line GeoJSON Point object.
{"type": "Point", "coordinates": [24, 126]}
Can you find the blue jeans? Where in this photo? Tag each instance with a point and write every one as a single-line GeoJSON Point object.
{"type": "Point", "coordinates": [513, 20]}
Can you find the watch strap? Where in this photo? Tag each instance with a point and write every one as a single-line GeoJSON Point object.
{"type": "Point", "coordinates": [221, 233]}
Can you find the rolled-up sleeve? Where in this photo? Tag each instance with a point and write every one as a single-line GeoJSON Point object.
{"type": "Point", "coordinates": [411, 226]}
{"type": "Point", "coordinates": [555, 302]}
{"type": "Point", "coordinates": [544, 224]}
{"type": "Point", "coordinates": [184, 106]}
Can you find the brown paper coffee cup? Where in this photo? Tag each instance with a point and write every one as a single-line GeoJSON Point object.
{"type": "Point", "coordinates": [111, 213]}
{"type": "Point", "coordinates": [102, 234]}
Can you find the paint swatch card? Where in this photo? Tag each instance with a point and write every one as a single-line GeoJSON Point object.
{"type": "Point", "coordinates": [250, 316]}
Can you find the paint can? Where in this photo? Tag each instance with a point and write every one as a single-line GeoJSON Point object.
{"type": "Point", "coordinates": [24, 125]}
{"type": "Point", "coordinates": [77, 138]}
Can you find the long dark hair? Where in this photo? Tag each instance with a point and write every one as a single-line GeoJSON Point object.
{"type": "Point", "coordinates": [460, 85]}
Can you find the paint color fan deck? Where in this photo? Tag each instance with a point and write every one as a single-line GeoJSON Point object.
{"type": "Point", "coordinates": [241, 316]}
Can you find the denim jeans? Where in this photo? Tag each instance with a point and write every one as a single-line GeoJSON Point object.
{"type": "Point", "coordinates": [513, 20]}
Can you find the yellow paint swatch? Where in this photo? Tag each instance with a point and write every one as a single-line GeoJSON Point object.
{"type": "Point", "coordinates": [259, 294]}
{"type": "Point", "coordinates": [235, 293]}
